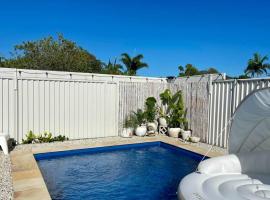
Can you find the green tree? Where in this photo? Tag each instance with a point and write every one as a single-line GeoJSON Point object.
{"type": "Point", "coordinates": [189, 70]}
{"type": "Point", "coordinates": [181, 70]}
{"type": "Point", "coordinates": [2, 61]}
{"type": "Point", "coordinates": [257, 66]}
{"type": "Point", "coordinates": [212, 70]}
{"type": "Point", "coordinates": [243, 76]}
{"type": "Point", "coordinates": [53, 54]}
{"type": "Point", "coordinates": [133, 64]}
{"type": "Point", "coordinates": [112, 68]}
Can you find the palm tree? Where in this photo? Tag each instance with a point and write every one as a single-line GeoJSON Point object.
{"type": "Point", "coordinates": [133, 64]}
{"type": "Point", "coordinates": [257, 65]}
{"type": "Point", "coordinates": [113, 68]}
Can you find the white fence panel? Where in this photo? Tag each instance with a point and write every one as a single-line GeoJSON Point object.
{"type": "Point", "coordinates": [78, 105]}
{"type": "Point", "coordinates": [226, 95]}
{"type": "Point", "coordinates": [77, 109]}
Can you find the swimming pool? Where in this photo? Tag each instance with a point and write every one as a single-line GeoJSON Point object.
{"type": "Point", "coordinates": [150, 170]}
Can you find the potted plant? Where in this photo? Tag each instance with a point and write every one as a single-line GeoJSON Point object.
{"type": "Point", "coordinates": [174, 111]}
{"type": "Point", "coordinates": [150, 114]}
{"type": "Point", "coordinates": [186, 133]}
{"type": "Point", "coordinates": [140, 123]}
{"type": "Point", "coordinates": [162, 117]}
{"type": "Point", "coordinates": [165, 98]}
{"type": "Point", "coordinates": [129, 125]}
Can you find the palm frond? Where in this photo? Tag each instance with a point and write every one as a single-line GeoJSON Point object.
{"type": "Point", "coordinates": [138, 57]}
{"type": "Point", "coordinates": [265, 58]}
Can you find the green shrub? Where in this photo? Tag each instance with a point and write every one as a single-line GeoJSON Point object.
{"type": "Point", "coordinates": [131, 121]}
{"type": "Point", "coordinates": [150, 109]}
{"type": "Point", "coordinates": [175, 111]}
{"type": "Point", "coordinates": [30, 137]}
{"type": "Point", "coordinates": [140, 116]}
{"type": "Point", "coordinates": [46, 137]}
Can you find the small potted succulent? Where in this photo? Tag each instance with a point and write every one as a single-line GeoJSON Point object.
{"type": "Point", "coordinates": [186, 133]}
{"type": "Point", "coordinates": [140, 123]}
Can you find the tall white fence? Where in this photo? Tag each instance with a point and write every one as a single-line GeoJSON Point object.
{"type": "Point", "coordinates": [77, 105]}
{"type": "Point", "coordinates": [225, 97]}
{"type": "Point", "coordinates": [81, 105]}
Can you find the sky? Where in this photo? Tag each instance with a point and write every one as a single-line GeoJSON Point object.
{"type": "Point", "coordinates": [206, 33]}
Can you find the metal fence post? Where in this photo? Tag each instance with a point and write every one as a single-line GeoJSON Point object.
{"type": "Point", "coordinates": [210, 87]}
{"type": "Point", "coordinates": [233, 100]}
{"type": "Point", "coordinates": [16, 107]}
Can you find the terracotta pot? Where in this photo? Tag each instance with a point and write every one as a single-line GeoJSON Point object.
{"type": "Point", "coordinates": [141, 131]}
{"type": "Point", "coordinates": [174, 132]}
{"type": "Point", "coordinates": [127, 132]}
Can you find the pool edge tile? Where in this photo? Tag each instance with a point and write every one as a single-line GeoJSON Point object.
{"type": "Point", "coordinates": [28, 182]}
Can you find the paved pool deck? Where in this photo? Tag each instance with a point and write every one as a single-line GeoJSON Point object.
{"type": "Point", "coordinates": [28, 183]}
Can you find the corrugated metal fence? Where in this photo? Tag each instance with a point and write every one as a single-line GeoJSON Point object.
{"type": "Point", "coordinates": [75, 108]}
{"type": "Point", "coordinates": [81, 105]}
{"type": "Point", "coordinates": [77, 105]}
{"type": "Point", "coordinates": [225, 97]}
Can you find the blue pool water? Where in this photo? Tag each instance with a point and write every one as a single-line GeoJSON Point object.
{"type": "Point", "coordinates": [140, 171]}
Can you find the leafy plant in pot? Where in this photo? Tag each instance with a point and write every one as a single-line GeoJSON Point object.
{"type": "Point", "coordinates": [186, 133]}
{"type": "Point", "coordinates": [174, 111]}
{"type": "Point", "coordinates": [150, 114]}
{"type": "Point", "coordinates": [140, 123]}
{"type": "Point", "coordinates": [162, 117]}
{"type": "Point", "coordinates": [129, 125]}
{"type": "Point", "coordinates": [165, 98]}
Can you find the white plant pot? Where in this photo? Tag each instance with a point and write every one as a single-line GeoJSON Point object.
{"type": "Point", "coordinates": [174, 132]}
{"type": "Point", "coordinates": [162, 121]}
{"type": "Point", "coordinates": [194, 139]}
{"type": "Point", "coordinates": [151, 126]}
{"type": "Point", "coordinates": [127, 132]}
{"type": "Point", "coordinates": [186, 135]}
{"type": "Point", "coordinates": [141, 131]}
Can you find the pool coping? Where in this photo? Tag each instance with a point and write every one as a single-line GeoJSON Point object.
{"type": "Point", "coordinates": [28, 182]}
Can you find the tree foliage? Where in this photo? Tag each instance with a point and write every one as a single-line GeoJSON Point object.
{"type": "Point", "coordinates": [61, 54]}
{"type": "Point", "coordinates": [257, 66]}
{"type": "Point", "coordinates": [133, 64]}
{"type": "Point", "coordinates": [53, 54]}
{"type": "Point", "coordinates": [191, 70]}
{"type": "Point", "coordinates": [112, 68]}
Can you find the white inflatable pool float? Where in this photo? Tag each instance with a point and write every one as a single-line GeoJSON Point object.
{"type": "Point", "coordinates": [244, 174]}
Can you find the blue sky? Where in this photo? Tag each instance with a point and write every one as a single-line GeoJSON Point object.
{"type": "Point", "coordinates": [207, 33]}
